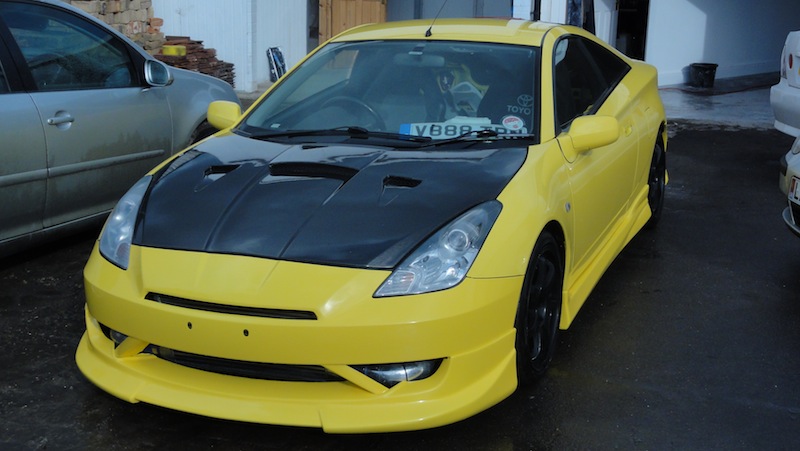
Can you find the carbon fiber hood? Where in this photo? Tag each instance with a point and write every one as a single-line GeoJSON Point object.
{"type": "Point", "coordinates": [345, 205]}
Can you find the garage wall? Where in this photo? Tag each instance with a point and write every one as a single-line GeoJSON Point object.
{"type": "Point", "coordinates": [240, 31]}
{"type": "Point", "coordinates": [742, 36]}
{"type": "Point", "coordinates": [427, 9]}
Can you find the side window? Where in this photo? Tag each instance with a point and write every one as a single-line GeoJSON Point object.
{"type": "Point", "coordinates": [65, 52]}
{"type": "Point", "coordinates": [585, 74]}
{"type": "Point", "coordinates": [610, 67]}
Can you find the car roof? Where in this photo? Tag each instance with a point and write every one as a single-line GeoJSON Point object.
{"type": "Point", "coordinates": [506, 31]}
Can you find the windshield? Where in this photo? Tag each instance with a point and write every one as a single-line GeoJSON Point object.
{"type": "Point", "coordinates": [437, 90]}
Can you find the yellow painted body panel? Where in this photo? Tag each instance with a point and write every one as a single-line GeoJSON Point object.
{"type": "Point", "coordinates": [485, 30]}
{"type": "Point", "coordinates": [470, 326]}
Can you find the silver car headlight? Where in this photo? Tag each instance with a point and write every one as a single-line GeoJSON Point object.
{"type": "Point", "coordinates": [117, 234]}
{"type": "Point", "coordinates": [442, 261]}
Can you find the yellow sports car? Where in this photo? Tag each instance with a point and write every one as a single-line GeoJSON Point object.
{"type": "Point", "coordinates": [389, 239]}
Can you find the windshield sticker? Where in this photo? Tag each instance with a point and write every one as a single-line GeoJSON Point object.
{"type": "Point", "coordinates": [513, 123]}
{"type": "Point", "coordinates": [459, 126]}
{"type": "Point", "coordinates": [523, 106]}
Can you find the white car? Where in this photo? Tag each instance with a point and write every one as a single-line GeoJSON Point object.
{"type": "Point", "coordinates": [785, 96]}
{"type": "Point", "coordinates": [785, 100]}
{"type": "Point", "coordinates": [790, 185]}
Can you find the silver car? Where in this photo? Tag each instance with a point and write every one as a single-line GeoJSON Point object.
{"type": "Point", "coordinates": [84, 112]}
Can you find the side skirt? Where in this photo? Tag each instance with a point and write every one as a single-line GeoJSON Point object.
{"type": "Point", "coordinates": [581, 282]}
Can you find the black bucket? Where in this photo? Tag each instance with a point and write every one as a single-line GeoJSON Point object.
{"type": "Point", "coordinates": [701, 75]}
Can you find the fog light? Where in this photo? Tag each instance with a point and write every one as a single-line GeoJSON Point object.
{"type": "Point", "coordinates": [392, 374]}
{"type": "Point", "coordinates": [117, 337]}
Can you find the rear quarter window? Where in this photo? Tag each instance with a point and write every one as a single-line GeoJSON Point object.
{"type": "Point", "coordinates": [585, 74]}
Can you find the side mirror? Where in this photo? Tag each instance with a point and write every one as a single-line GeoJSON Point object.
{"type": "Point", "coordinates": [223, 114]}
{"type": "Point", "coordinates": [157, 74]}
{"type": "Point", "coordinates": [590, 132]}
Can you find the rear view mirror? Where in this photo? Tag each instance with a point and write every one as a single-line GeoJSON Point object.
{"type": "Point", "coordinates": [157, 74]}
{"type": "Point", "coordinates": [418, 60]}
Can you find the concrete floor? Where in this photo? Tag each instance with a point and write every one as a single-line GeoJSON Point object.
{"type": "Point", "coordinates": [689, 341]}
{"type": "Point", "coordinates": [734, 102]}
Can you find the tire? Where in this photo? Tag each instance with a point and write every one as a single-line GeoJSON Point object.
{"type": "Point", "coordinates": [539, 311]}
{"type": "Point", "coordinates": [204, 130]}
{"type": "Point", "coordinates": [656, 181]}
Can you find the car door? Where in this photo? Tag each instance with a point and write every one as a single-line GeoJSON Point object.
{"type": "Point", "coordinates": [601, 179]}
{"type": "Point", "coordinates": [103, 126]}
{"type": "Point", "coordinates": [23, 159]}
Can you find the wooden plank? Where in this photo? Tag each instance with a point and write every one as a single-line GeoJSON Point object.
{"type": "Point", "coordinates": [336, 16]}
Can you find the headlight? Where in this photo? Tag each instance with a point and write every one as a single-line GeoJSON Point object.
{"type": "Point", "coordinates": [116, 237]}
{"type": "Point", "coordinates": [443, 260]}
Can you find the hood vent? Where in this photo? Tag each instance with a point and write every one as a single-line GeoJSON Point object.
{"type": "Point", "coordinates": [214, 173]}
{"type": "Point", "coordinates": [312, 170]}
{"type": "Point", "coordinates": [394, 181]}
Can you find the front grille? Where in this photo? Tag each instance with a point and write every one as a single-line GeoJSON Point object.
{"type": "Point", "coordinates": [240, 368]}
{"type": "Point", "coordinates": [231, 309]}
{"type": "Point", "coordinates": [252, 370]}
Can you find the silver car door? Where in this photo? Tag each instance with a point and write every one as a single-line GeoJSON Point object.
{"type": "Point", "coordinates": [99, 142]}
{"type": "Point", "coordinates": [23, 166]}
{"type": "Point", "coordinates": [103, 126]}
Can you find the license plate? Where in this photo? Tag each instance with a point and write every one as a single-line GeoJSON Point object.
{"type": "Point", "coordinates": [460, 126]}
{"type": "Point", "coordinates": [794, 190]}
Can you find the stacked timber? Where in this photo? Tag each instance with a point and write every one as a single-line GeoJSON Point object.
{"type": "Point", "coordinates": [197, 58]}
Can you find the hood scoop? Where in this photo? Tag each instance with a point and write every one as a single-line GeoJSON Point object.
{"type": "Point", "coordinates": [312, 170]}
{"type": "Point", "coordinates": [394, 181]}
{"type": "Point", "coordinates": [393, 186]}
{"type": "Point", "coordinates": [214, 173]}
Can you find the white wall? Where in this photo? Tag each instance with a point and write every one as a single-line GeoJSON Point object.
{"type": "Point", "coordinates": [742, 36]}
{"type": "Point", "coordinates": [240, 31]}
{"type": "Point", "coordinates": [554, 11]}
{"type": "Point", "coordinates": [522, 9]}
{"type": "Point", "coordinates": [279, 23]}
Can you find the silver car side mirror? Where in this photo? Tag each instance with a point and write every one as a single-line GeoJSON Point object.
{"type": "Point", "coordinates": [157, 74]}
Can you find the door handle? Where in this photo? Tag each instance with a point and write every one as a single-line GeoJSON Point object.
{"type": "Point", "coordinates": [58, 120]}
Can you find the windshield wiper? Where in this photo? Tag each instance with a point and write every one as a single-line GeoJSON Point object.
{"type": "Point", "coordinates": [350, 131]}
{"type": "Point", "coordinates": [480, 135]}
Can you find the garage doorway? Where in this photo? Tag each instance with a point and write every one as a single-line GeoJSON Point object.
{"type": "Point", "coordinates": [632, 27]}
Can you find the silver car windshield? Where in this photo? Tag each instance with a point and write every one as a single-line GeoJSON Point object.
{"type": "Point", "coordinates": [432, 89]}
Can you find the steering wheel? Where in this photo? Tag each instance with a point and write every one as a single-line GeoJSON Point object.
{"type": "Point", "coordinates": [345, 101]}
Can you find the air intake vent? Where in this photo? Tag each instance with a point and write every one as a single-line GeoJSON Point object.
{"type": "Point", "coordinates": [320, 170]}
{"type": "Point", "coordinates": [231, 309]}
{"type": "Point", "coordinates": [252, 370]}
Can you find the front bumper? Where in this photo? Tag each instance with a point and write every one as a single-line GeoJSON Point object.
{"type": "Point", "coordinates": [470, 327]}
{"type": "Point", "coordinates": [788, 218]}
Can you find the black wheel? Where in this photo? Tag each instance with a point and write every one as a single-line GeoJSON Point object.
{"type": "Point", "coordinates": [376, 122]}
{"type": "Point", "coordinates": [204, 130]}
{"type": "Point", "coordinates": [656, 181]}
{"type": "Point", "coordinates": [539, 311]}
